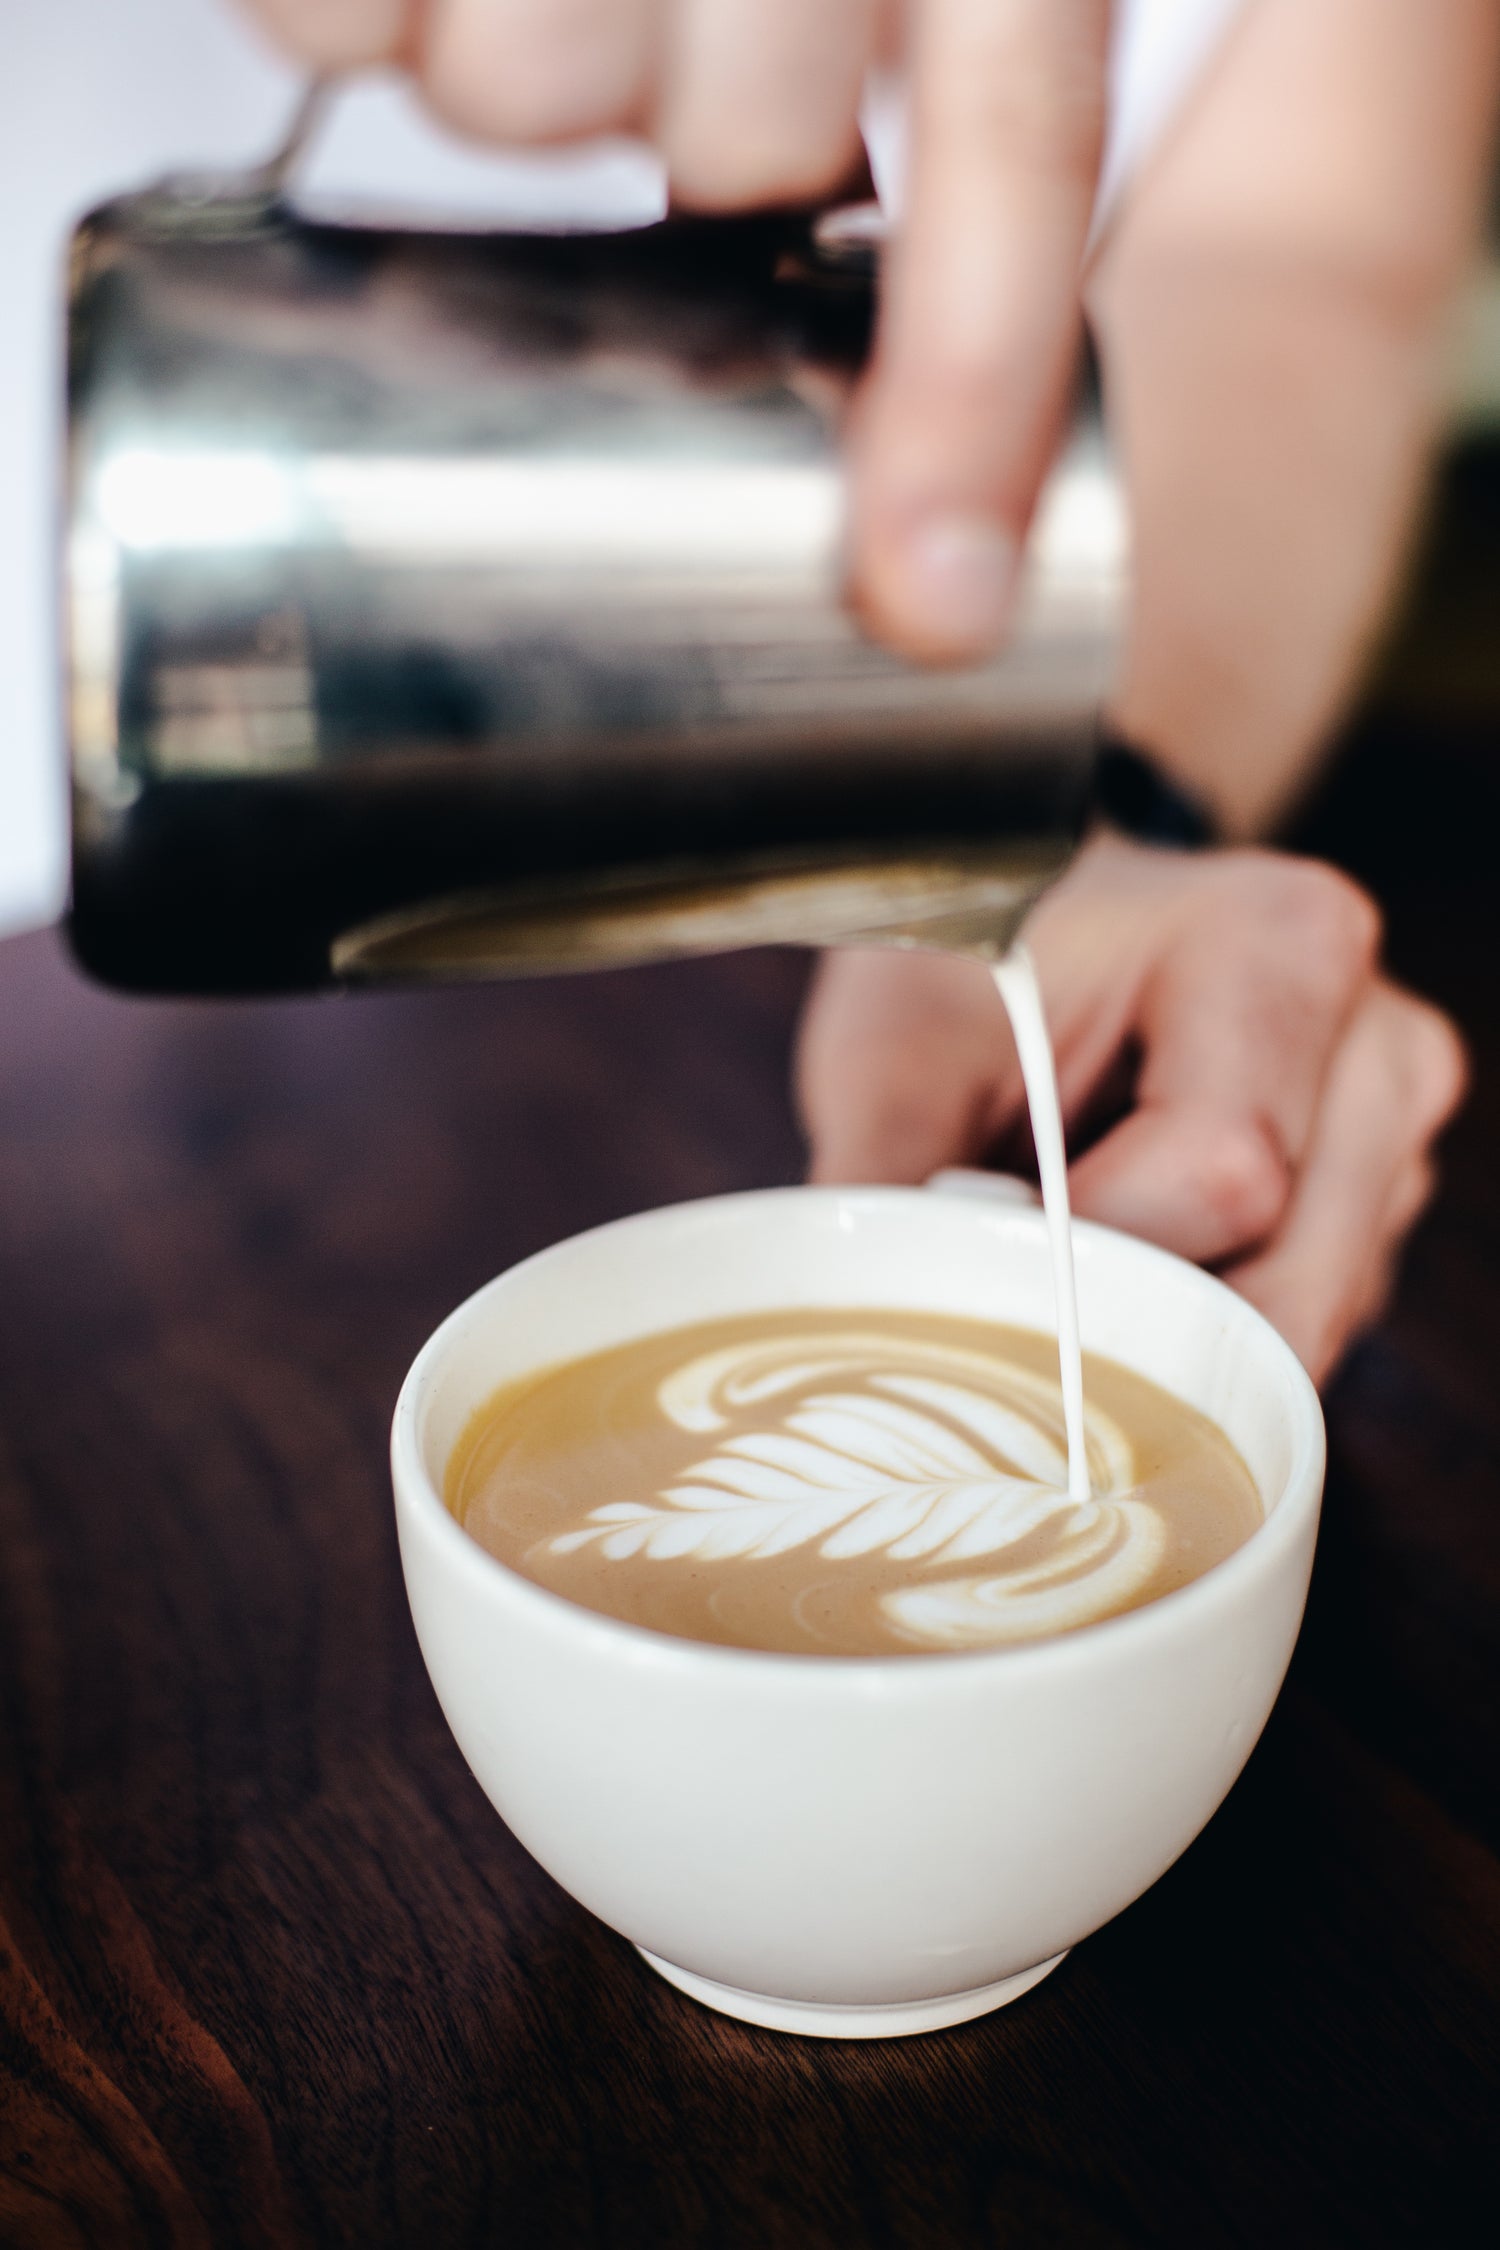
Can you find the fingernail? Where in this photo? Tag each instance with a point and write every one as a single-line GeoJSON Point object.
{"type": "Point", "coordinates": [958, 577]}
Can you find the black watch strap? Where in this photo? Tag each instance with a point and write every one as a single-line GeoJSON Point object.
{"type": "Point", "coordinates": [1132, 794]}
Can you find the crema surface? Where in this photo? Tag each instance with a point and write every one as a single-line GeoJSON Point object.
{"type": "Point", "coordinates": [851, 1483]}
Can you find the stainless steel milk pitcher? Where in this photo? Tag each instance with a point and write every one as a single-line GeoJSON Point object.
{"type": "Point", "coordinates": [448, 606]}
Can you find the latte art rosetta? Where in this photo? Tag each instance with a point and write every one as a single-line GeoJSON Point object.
{"type": "Point", "coordinates": [846, 1482]}
{"type": "Point", "coordinates": [921, 1453]}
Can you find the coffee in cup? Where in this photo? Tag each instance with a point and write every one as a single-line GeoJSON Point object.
{"type": "Point", "coordinates": [846, 1482]}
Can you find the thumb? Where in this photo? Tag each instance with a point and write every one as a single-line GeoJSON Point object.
{"type": "Point", "coordinates": [904, 1065]}
{"type": "Point", "coordinates": [1200, 1179]}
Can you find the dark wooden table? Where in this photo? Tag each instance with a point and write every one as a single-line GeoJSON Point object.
{"type": "Point", "coordinates": [271, 1970]}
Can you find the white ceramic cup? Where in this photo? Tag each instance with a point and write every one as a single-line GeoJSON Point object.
{"type": "Point", "coordinates": [844, 1845]}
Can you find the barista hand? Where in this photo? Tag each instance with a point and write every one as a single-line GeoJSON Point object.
{"type": "Point", "coordinates": [1240, 1082]}
{"type": "Point", "coordinates": [756, 102]}
{"type": "Point", "coordinates": [1268, 296]}
{"type": "Point", "coordinates": [1269, 303]}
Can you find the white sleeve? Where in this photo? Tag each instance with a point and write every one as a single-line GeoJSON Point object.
{"type": "Point", "coordinates": [1157, 48]}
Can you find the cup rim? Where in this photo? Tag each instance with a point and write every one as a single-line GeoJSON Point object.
{"type": "Point", "coordinates": [1281, 1527]}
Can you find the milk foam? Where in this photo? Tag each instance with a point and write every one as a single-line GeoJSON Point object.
{"type": "Point", "coordinates": [916, 1452]}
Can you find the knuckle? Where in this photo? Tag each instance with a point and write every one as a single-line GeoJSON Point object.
{"type": "Point", "coordinates": [1335, 925]}
{"type": "Point", "coordinates": [1320, 921]}
{"type": "Point", "coordinates": [1242, 1179]}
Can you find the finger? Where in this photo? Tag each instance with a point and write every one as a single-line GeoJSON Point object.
{"type": "Point", "coordinates": [980, 322]}
{"type": "Point", "coordinates": [537, 70]}
{"type": "Point", "coordinates": [760, 99]}
{"type": "Point", "coordinates": [1238, 1023]}
{"type": "Point", "coordinates": [1395, 1082]}
{"type": "Point", "coordinates": [1410, 1200]}
{"type": "Point", "coordinates": [905, 1064]}
{"type": "Point", "coordinates": [337, 34]}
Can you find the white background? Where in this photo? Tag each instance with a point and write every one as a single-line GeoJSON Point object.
{"type": "Point", "coordinates": [91, 95]}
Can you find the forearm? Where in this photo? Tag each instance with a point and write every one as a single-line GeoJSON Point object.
{"type": "Point", "coordinates": [1273, 313]}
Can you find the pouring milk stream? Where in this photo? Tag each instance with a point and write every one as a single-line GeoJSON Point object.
{"type": "Point", "coordinates": [1015, 979]}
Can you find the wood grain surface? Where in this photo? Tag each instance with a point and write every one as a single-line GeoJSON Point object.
{"type": "Point", "coordinates": [271, 1970]}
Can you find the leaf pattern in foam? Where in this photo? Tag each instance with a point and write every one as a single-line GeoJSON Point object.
{"type": "Point", "coordinates": [1101, 1571]}
{"type": "Point", "coordinates": [919, 1467]}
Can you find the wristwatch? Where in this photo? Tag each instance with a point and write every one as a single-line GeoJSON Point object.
{"type": "Point", "coordinates": [1133, 794]}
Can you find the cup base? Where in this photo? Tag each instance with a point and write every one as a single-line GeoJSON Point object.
{"type": "Point", "coordinates": [816, 2019]}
